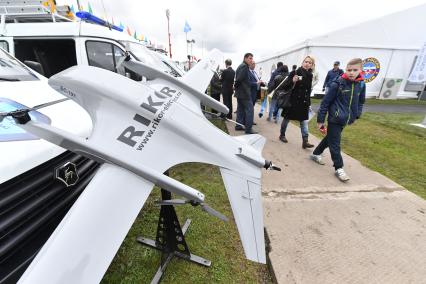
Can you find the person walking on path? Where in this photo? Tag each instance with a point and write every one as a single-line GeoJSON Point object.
{"type": "Point", "coordinates": [331, 75]}
{"type": "Point", "coordinates": [245, 109]}
{"type": "Point", "coordinates": [227, 79]}
{"type": "Point", "coordinates": [273, 107]}
{"type": "Point", "coordinates": [343, 102]}
{"type": "Point", "coordinates": [300, 81]}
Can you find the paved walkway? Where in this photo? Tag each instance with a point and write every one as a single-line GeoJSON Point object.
{"type": "Point", "coordinates": [369, 230]}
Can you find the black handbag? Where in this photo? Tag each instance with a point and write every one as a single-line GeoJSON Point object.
{"type": "Point", "coordinates": [284, 99]}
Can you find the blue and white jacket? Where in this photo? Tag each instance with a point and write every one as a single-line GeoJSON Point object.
{"type": "Point", "coordinates": [344, 101]}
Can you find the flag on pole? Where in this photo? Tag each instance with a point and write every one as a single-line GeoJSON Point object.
{"type": "Point", "coordinates": [186, 28]}
{"type": "Point", "coordinates": [128, 31]}
{"type": "Point", "coordinates": [121, 26]}
{"type": "Point", "coordinates": [72, 9]}
{"type": "Point", "coordinates": [135, 35]}
{"type": "Point", "coordinates": [50, 4]}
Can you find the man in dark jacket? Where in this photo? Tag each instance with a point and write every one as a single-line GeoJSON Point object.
{"type": "Point", "coordinates": [275, 73]}
{"type": "Point", "coordinates": [215, 88]}
{"type": "Point", "coordinates": [332, 75]}
{"type": "Point", "coordinates": [227, 79]}
{"type": "Point", "coordinates": [343, 102]}
{"type": "Point", "coordinates": [245, 110]}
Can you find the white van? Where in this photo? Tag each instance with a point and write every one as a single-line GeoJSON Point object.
{"type": "Point", "coordinates": [57, 43]}
{"type": "Point", "coordinates": [35, 194]}
{"type": "Point", "coordinates": [38, 180]}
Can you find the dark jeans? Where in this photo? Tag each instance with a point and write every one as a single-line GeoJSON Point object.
{"type": "Point", "coordinates": [227, 100]}
{"type": "Point", "coordinates": [332, 140]}
{"type": "Point", "coordinates": [217, 98]}
{"type": "Point", "coordinates": [254, 96]}
{"type": "Point", "coordinates": [245, 112]}
{"type": "Point", "coordinates": [303, 127]}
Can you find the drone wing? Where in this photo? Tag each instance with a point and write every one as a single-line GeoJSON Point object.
{"type": "Point", "coordinates": [85, 242]}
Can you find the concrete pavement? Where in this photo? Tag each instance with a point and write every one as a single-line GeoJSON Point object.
{"type": "Point", "coordinates": [368, 230]}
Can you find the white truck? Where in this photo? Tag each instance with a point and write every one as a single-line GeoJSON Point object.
{"type": "Point", "coordinates": [57, 43]}
{"type": "Point", "coordinates": [38, 181]}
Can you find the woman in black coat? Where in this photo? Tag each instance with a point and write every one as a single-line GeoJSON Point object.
{"type": "Point", "coordinates": [300, 81]}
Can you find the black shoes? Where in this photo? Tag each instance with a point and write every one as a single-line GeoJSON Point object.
{"type": "Point", "coordinates": [283, 139]}
{"type": "Point", "coordinates": [251, 132]}
{"type": "Point", "coordinates": [306, 144]}
{"type": "Point", "coordinates": [239, 128]}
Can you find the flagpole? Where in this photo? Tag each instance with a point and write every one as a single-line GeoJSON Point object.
{"type": "Point", "coordinates": [186, 35]}
{"type": "Point", "coordinates": [168, 31]}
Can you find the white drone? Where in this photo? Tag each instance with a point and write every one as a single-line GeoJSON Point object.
{"type": "Point", "coordinates": [140, 130]}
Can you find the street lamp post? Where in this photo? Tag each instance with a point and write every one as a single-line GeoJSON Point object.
{"type": "Point", "coordinates": [168, 31]}
{"type": "Point", "coordinates": [190, 56]}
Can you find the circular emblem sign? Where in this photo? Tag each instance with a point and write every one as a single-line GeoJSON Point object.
{"type": "Point", "coordinates": [371, 68]}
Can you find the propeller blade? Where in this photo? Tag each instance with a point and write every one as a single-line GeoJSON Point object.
{"type": "Point", "coordinates": [48, 104]}
{"type": "Point", "coordinates": [172, 202]}
{"type": "Point", "coordinates": [213, 212]}
{"type": "Point", "coordinates": [18, 111]}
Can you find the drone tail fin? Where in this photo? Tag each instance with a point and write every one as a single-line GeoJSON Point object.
{"type": "Point", "coordinates": [245, 196]}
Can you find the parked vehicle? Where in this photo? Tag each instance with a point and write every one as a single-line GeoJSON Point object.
{"type": "Point", "coordinates": [33, 198]}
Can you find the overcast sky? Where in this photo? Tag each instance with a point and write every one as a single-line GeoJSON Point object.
{"type": "Point", "coordinates": [239, 26]}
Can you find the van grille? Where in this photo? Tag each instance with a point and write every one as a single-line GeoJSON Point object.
{"type": "Point", "coordinates": [31, 206]}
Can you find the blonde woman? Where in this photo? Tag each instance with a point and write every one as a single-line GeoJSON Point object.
{"type": "Point", "coordinates": [300, 81]}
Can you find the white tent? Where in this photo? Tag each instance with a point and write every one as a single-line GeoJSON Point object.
{"type": "Point", "coordinates": [393, 41]}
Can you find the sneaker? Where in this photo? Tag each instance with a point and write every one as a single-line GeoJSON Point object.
{"type": "Point", "coordinates": [260, 114]}
{"type": "Point", "coordinates": [251, 132]}
{"type": "Point", "coordinates": [268, 119]}
{"type": "Point", "coordinates": [283, 139]}
{"type": "Point", "coordinates": [317, 159]}
{"type": "Point", "coordinates": [340, 173]}
{"type": "Point", "coordinates": [239, 128]}
{"type": "Point", "coordinates": [276, 120]}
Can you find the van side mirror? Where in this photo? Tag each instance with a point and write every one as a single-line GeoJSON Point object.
{"type": "Point", "coordinates": [35, 66]}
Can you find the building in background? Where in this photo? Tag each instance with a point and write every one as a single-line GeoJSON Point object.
{"type": "Point", "coordinates": [388, 45]}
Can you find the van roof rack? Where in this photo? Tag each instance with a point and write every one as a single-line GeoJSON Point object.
{"type": "Point", "coordinates": [31, 11]}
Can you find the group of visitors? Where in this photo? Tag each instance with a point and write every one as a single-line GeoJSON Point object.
{"type": "Point", "coordinates": [245, 84]}
{"type": "Point", "coordinates": [290, 94]}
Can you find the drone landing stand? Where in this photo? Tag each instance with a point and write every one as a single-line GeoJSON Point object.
{"type": "Point", "coordinates": [170, 239]}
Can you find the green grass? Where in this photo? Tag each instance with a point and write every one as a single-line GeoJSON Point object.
{"type": "Point", "coordinates": [207, 237]}
{"type": "Point", "coordinates": [373, 101]}
{"type": "Point", "coordinates": [388, 144]}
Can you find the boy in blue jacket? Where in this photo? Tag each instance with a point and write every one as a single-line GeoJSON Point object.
{"type": "Point", "coordinates": [343, 102]}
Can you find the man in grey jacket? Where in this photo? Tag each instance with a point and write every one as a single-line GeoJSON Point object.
{"type": "Point", "coordinates": [245, 110]}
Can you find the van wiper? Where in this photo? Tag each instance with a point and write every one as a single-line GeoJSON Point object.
{"type": "Point", "coordinates": [9, 80]}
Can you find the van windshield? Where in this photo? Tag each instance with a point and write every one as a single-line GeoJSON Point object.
{"type": "Point", "coordinates": [143, 54]}
{"type": "Point", "coordinates": [13, 70]}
